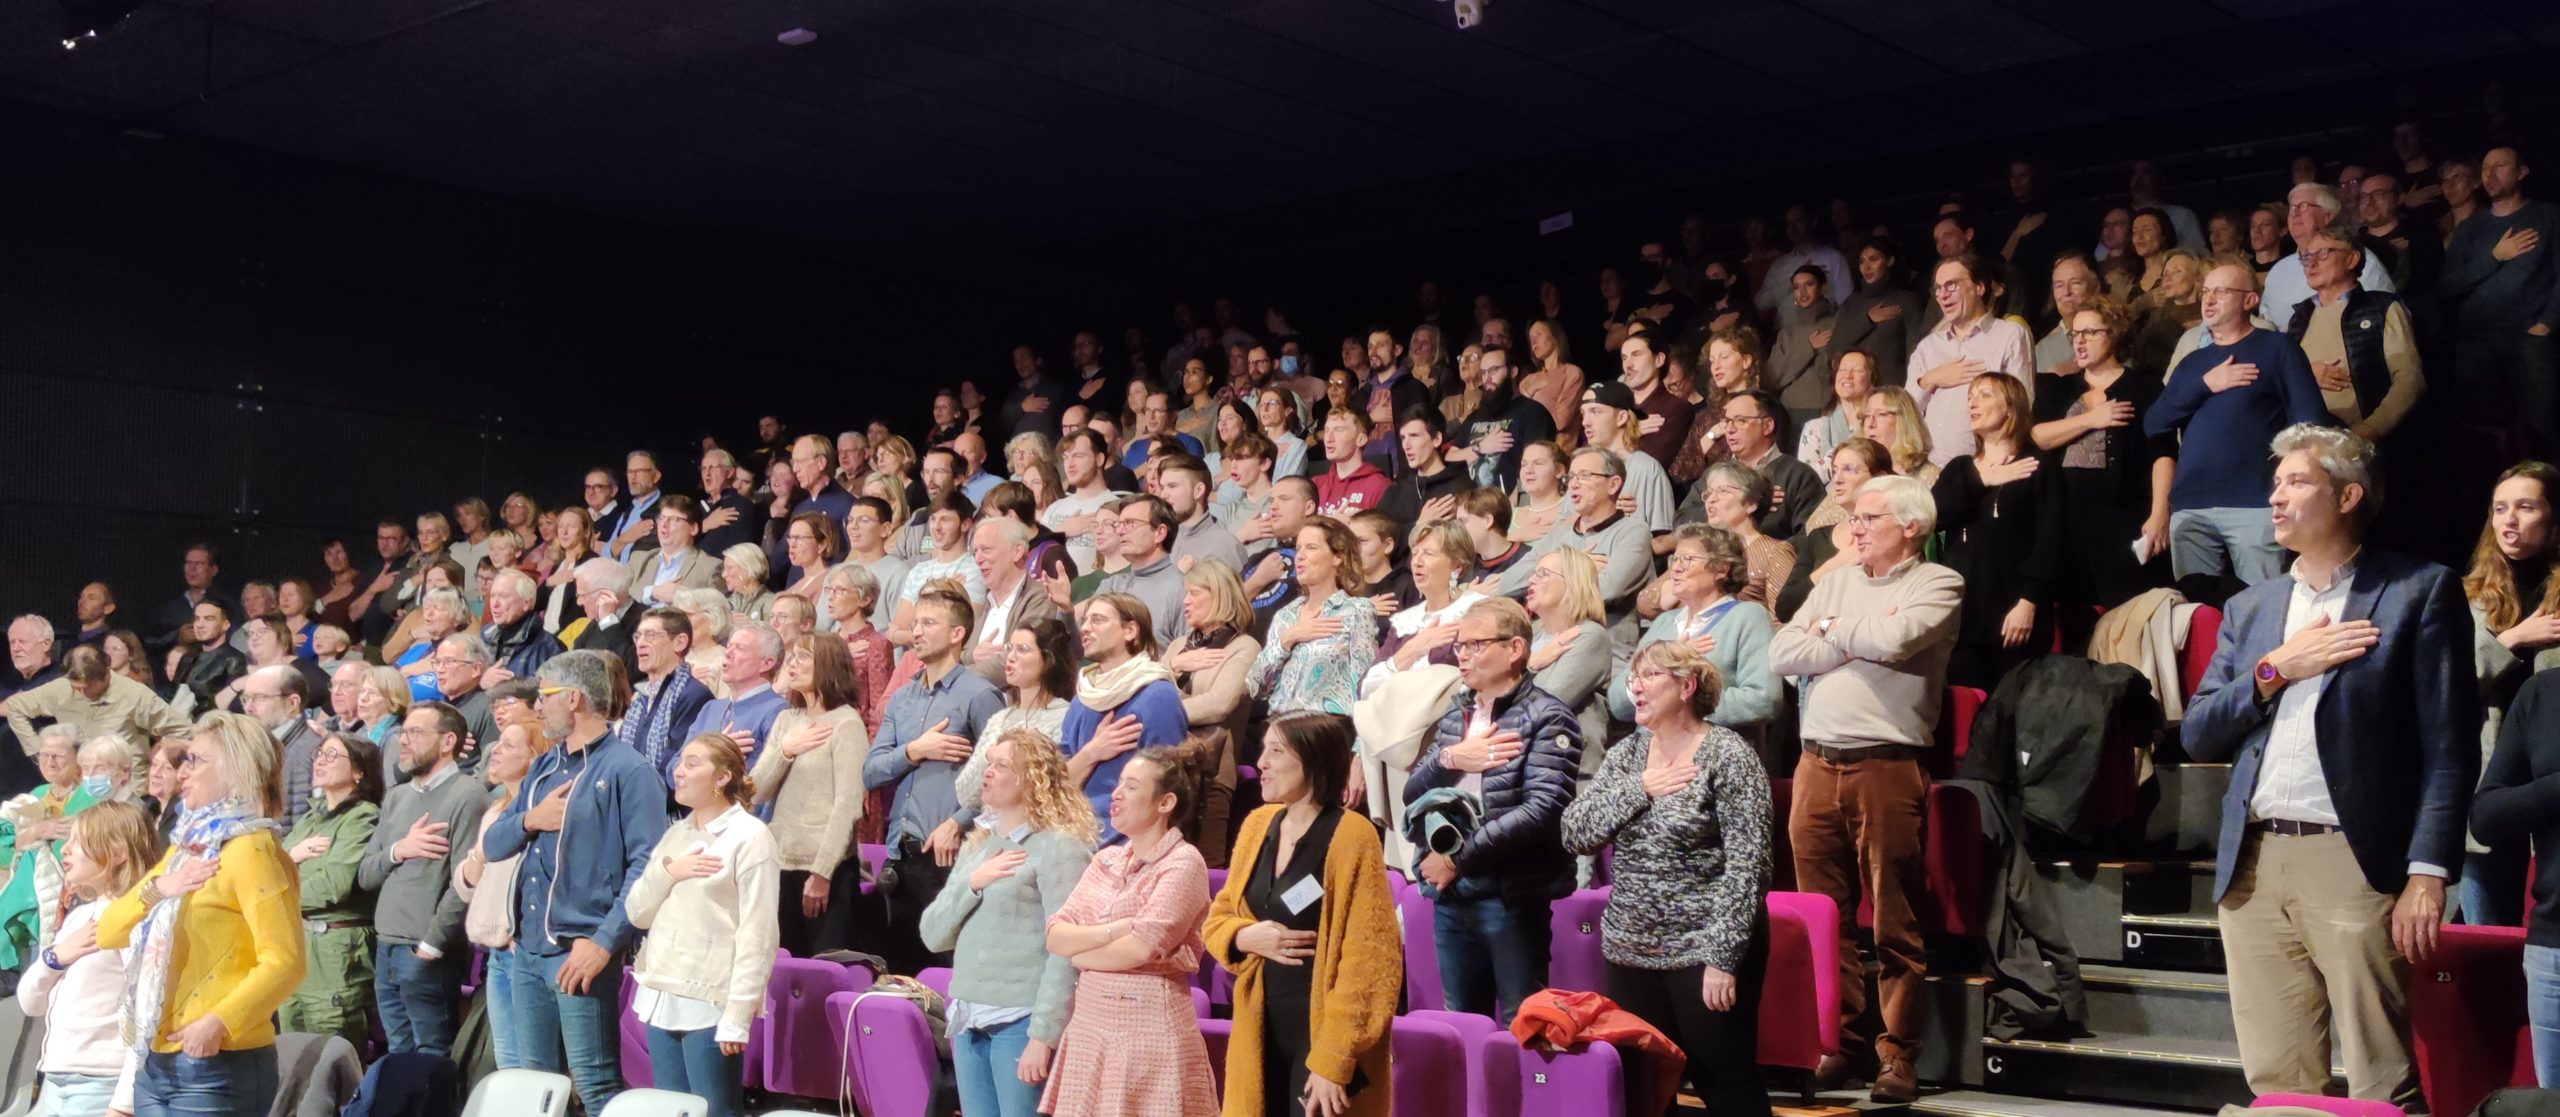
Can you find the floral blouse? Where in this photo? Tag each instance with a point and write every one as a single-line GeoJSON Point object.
{"type": "Point", "coordinates": [1321, 675]}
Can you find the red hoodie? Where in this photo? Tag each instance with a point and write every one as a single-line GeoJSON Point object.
{"type": "Point", "coordinates": [1341, 496]}
{"type": "Point", "coordinates": [1557, 1020]}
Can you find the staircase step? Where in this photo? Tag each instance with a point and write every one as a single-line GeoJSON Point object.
{"type": "Point", "coordinates": [2184, 1072]}
{"type": "Point", "coordinates": [1975, 1103]}
{"type": "Point", "coordinates": [2132, 1002]}
{"type": "Point", "coordinates": [2172, 942]}
{"type": "Point", "coordinates": [2188, 816]}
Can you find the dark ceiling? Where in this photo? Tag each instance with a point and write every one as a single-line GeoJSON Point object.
{"type": "Point", "coordinates": [1053, 129]}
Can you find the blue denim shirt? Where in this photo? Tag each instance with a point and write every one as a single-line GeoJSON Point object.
{"type": "Point", "coordinates": [927, 793]}
{"type": "Point", "coordinates": [572, 880]}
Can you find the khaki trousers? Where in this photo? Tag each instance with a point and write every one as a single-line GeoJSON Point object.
{"type": "Point", "coordinates": [2307, 943]}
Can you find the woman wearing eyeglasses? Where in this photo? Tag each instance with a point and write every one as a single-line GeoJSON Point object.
{"type": "Point", "coordinates": [814, 543]}
{"type": "Point", "coordinates": [2112, 480]}
{"type": "Point", "coordinates": [326, 843]}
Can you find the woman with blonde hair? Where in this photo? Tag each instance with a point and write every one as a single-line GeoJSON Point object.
{"type": "Point", "coordinates": [1538, 501]}
{"type": "Point", "coordinates": [1819, 551]}
{"type": "Point", "coordinates": [1442, 564]}
{"type": "Point", "coordinates": [76, 988]}
{"type": "Point", "coordinates": [743, 570]}
{"type": "Point", "coordinates": [573, 541]}
{"type": "Point", "coordinates": [1893, 421]}
{"type": "Point", "coordinates": [1569, 649]}
{"type": "Point", "coordinates": [382, 699]}
{"type": "Point", "coordinates": [1323, 642]}
{"type": "Point", "coordinates": [707, 614]}
{"type": "Point", "coordinates": [896, 458]}
{"type": "Point", "coordinates": [808, 781]}
{"type": "Point", "coordinates": [216, 933]}
{"type": "Point", "coordinates": [892, 490]}
{"type": "Point", "coordinates": [709, 895]}
{"type": "Point", "coordinates": [1022, 450]}
{"type": "Point", "coordinates": [1209, 662]}
{"type": "Point", "coordinates": [1009, 994]}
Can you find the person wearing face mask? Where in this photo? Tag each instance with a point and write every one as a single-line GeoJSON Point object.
{"type": "Point", "coordinates": [2515, 618]}
{"type": "Point", "coordinates": [78, 988]}
{"type": "Point", "coordinates": [78, 776]}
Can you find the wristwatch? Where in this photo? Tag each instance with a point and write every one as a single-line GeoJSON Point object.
{"type": "Point", "coordinates": [2268, 675]}
{"type": "Point", "coordinates": [52, 962]}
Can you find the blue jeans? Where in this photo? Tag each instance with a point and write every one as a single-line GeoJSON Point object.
{"type": "Point", "coordinates": [1493, 952]}
{"type": "Point", "coordinates": [2212, 541]}
{"type": "Point", "coordinates": [497, 990]}
{"type": "Point", "coordinates": [983, 1061]}
{"type": "Point", "coordinates": [2541, 1009]}
{"type": "Point", "coordinates": [230, 1084]}
{"type": "Point", "coordinates": [578, 1035]}
{"type": "Point", "coordinates": [2493, 887]}
{"type": "Point", "coordinates": [691, 1063]}
{"type": "Point", "coordinates": [76, 1095]}
{"type": "Point", "coordinates": [419, 1000]}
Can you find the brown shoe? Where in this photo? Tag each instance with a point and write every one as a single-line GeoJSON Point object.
{"type": "Point", "coordinates": [1895, 1082]}
{"type": "Point", "coordinates": [1834, 1073]}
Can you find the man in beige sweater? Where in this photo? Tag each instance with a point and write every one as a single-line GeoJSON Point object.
{"type": "Point", "coordinates": [1869, 648]}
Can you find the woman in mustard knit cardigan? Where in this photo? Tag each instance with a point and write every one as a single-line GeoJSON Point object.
{"type": "Point", "coordinates": [1306, 925]}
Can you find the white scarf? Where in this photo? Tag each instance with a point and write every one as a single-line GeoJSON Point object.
{"type": "Point", "coordinates": [1105, 689]}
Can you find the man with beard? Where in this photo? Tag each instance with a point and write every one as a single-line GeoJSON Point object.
{"type": "Point", "coordinates": [1504, 424]}
{"type": "Point", "coordinates": [409, 865]}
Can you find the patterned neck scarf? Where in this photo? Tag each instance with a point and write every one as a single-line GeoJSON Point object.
{"type": "Point", "coordinates": [202, 832]}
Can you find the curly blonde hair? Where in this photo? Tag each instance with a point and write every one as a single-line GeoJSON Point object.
{"type": "Point", "coordinates": [1054, 801]}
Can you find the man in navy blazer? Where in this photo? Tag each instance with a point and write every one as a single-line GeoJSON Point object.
{"type": "Point", "coordinates": [2342, 695]}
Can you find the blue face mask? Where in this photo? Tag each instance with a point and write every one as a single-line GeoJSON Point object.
{"type": "Point", "coordinates": [98, 787]}
{"type": "Point", "coordinates": [1288, 365]}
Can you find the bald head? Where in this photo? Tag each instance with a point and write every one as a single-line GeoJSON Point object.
{"type": "Point", "coordinates": [2230, 293]}
{"type": "Point", "coordinates": [972, 450]}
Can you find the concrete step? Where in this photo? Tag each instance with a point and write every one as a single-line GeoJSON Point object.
{"type": "Point", "coordinates": [2093, 897]}
{"type": "Point", "coordinates": [2171, 942]}
{"type": "Point", "coordinates": [1976, 1103]}
{"type": "Point", "coordinates": [2187, 817]}
{"type": "Point", "coordinates": [2132, 1002]}
{"type": "Point", "coordinates": [2174, 1071]}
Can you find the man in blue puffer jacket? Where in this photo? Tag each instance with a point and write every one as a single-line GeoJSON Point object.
{"type": "Point", "coordinates": [1515, 749]}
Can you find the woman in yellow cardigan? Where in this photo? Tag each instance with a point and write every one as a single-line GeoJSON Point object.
{"type": "Point", "coordinates": [217, 932]}
{"type": "Point", "coordinates": [1306, 925]}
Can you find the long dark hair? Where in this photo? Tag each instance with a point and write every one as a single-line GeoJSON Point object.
{"type": "Point", "coordinates": [366, 758]}
{"type": "Point", "coordinates": [1057, 656]}
{"type": "Point", "coordinates": [1322, 744]}
{"type": "Point", "coordinates": [2491, 583]}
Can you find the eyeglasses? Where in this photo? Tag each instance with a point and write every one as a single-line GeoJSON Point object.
{"type": "Point", "coordinates": [1682, 560]}
{"type": "Point", "coordinates": [331, 752]}
{"type": "Point", "coordinates": [2229, 292]}
{"type": "Point", "coordinates": [1476, 647]}
{"type": "Point", "coordinates": [593, 485]}
{"type": "Point", "coordinates": [548, 691]}
{"type": "Point", "coordinates": [193, 761]}
{"type": "Point", "coordinates": [1869, 519]}
{"type": "Point", "coordinates": [2316, 255]}
{"type": "Point", "coordinates": [1587, 475]}
{"type": "Point", "coordinates": [2081, 335]}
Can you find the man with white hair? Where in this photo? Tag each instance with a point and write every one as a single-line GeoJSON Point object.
{"type": "Point", "coordinates": [853, 458]}
{"type": "Point", "coordinates": [604, 591]}
{"type": "Point", "coordinates": [728, 517]}
{"type": "Point", "coordinates": [518, 646]}
{"type": "Point", "coordinates": [460, 660]}
{"type": "Point", "coordinates": [31, 651]}
{"type": "Point", "coordinates": [2342, 696]}
{"type": "Point", "coordinates": [747, 664]}
{"type": "Point", "coordinates": [2307, 209]}
{"type": "Point", "coordinates": [1001, 548]}
{"type": "Point", "coordinates": [1870, 648]}
{"type": "Point", "coordinates": [90, 699]}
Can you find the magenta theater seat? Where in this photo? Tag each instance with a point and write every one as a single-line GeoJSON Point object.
{"type": "Point", "coordinates": [1430, 1060]}
{"type": "Point", "coordinates": [1952, 903]}
{"type": "Point", "coordinates": [1800, 997]}
{"type": "Point", "coordinates": [1421, 958]}
{"type": "Point", "coordinates": [873, 857]}
{"type": "Point", "coordinates": [1584, 1082]}
{"type": "Point", "coordinates": [1493, 1069]}
{"type": "Point", "coordinates": [936, 978]}
{"type": "Point", "coordinates": [894, 1062]}
{"type": "Point", "coordinates": [801, 1049]}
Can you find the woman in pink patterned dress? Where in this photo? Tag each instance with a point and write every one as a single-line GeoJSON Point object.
{"type": "Point", "coordinates": [1132, 1046]}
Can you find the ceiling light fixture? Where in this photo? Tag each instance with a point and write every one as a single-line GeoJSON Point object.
{"type": "Point", "coordinates": [797, 37]}
{"type": "Point", "coordinates": [83, 20]}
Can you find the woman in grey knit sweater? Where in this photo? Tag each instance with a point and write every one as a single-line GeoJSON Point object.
{"type": "Point", "coordinates": [1685, 935]}
{"type": "Point", "coordinates": [1009, 995]}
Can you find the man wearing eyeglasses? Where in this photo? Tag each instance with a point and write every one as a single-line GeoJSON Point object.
{"type": "Point", "coordinates": [2228, 400]}
{"type": "Point", "coordinates": [1515, 750]}
{"type": "Point", "coordinates": [1617, 541]}
{"type": "Point", "coordinates": [2308, 208]}
{"type": "Point", "coordinates": [1870, 647]}
{"type": "Point", "coordinates": [1147, 529]}
{"type": "Point", "coordinates": [665, 696]}
{"type": "Point", "coordinates": [517, 644]}
{"type": "Point", "coordinates": [1750, 431]}
{"type": "Point", "coordinates": [460, 660]}
{"type": "Point", "coordinates": [409, 865]}
{"type": "Point", "coordinates": [585, 822]}
{"type": "Point", "coordinates": [276, 697]}
{"type": "Point", "coordinates": [2361, 344]}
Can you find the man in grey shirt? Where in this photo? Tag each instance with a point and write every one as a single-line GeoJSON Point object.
{"type": "Point", "coordinates": [429, 824]}
{"type": "Point", "coordinates": [1184, 484]}
{"type": "Point", "coordinates": [927, 732]}
{"type": "Point", "coordinates": [1148, 528]}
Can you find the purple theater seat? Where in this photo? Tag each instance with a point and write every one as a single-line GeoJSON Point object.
{"type": "Point", "coordinates": [1421, 958]}
{"type": "Point", "coordinates": [1585, 1082]}
{"type": "Point", "coordinates": [801, 1053]}
{"type": "Point", "coordinates": [1573, 954]}
{"type": "Point", "coordinates": [894, 1062]}
{"type": "Point", "coordinates": [1493, 1070]}
{"type": "Point", "coordinates": [1220, 984]}
{"type": "Point", "coordinates": [873, 857]}
{"type": "Point", "coordinates": [1430, 1059]}
{"type": "Point", "coordinates": [1215, 1033]}
{"type": "Point", "coordinates": [1800, 997]}
{"type": "Point", "coordinates": [936, 978]}
{"type": "Point", "coordinates": [2342, 1107]}
{"type": "Point", "coordinates": [635, 1039]}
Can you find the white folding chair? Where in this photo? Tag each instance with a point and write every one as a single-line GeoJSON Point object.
{"type": "Point", "coordinates": [21, 1048]}
{"type": "Point", "coordinates": [655, 1103]}
{"type": "Point", "coordinates": [521, 1093]}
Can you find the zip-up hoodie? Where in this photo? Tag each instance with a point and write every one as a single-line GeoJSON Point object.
{"type": "Point", "coordinates": [572, 883]}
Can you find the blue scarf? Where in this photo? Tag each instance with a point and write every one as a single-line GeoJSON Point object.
{"type": "Point", "coordinates": [202, 832]}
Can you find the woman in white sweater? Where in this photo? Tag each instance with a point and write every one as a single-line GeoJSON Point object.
{"type": "Point", "coordinates": [810, 770]}
{"type": "Point", "coordinates": [708, 900]}
{"type": "Point", "coordinates": [78, 989]}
